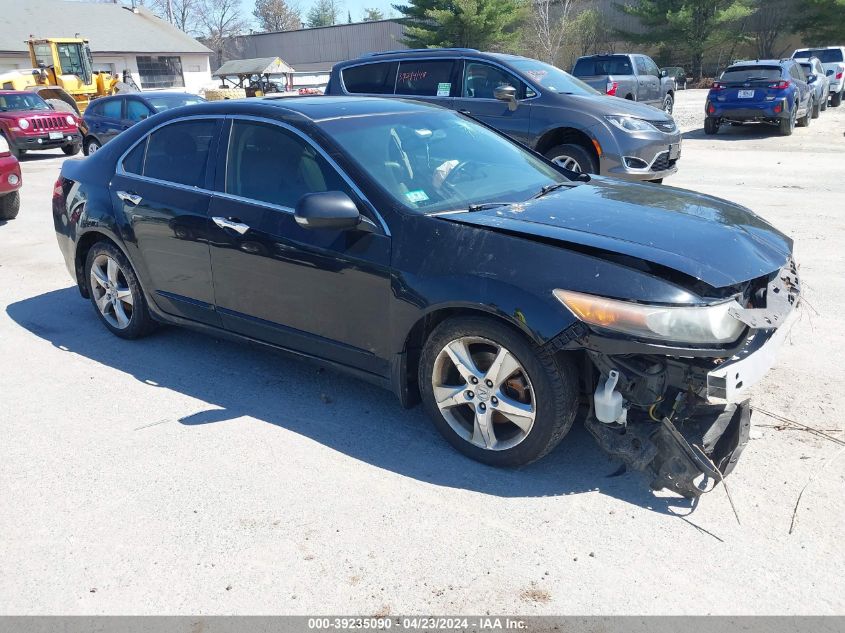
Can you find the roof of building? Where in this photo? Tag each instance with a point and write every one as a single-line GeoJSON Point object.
{"type": "Point", "coordinates": [110, 28]}
{"type": "Point", "coordinates": [255, 66]}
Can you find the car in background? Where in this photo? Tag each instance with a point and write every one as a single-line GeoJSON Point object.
{"type": "Point", "coordinates": [818, 81]}
{"type": "Point", "coordinates": [422, 251]}
{"type": "Point", "coordinates": [535, 103]}
{"type": "Point", "coordinates": [630, 76]}
{"type": "Point", "coordinates": [30, 124]}
{"type": "Point", "coordinates": [10, 182]}
{"type": "Point", "coordinates": [107, 117]}
{"type": "Point", "coordinates": [773, 92]}
{"type": "Point", "coordinates": [677, 73]}
{"type": "Point", "coordinates": [833, 62]}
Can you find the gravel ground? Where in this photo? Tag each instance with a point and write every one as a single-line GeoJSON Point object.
{"type": "Point", "coordinates": [182, 474]}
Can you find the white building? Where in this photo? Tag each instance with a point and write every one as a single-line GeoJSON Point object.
{"type": "Point", "coordinates": [157, 54]}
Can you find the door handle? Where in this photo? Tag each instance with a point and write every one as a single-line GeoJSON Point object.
{"type": "Point", "coordinates": [464, 111]}
{"type": "Point", "coordinates": [226, 223]}
{"type": "Point", "coordinates": [131, 198]}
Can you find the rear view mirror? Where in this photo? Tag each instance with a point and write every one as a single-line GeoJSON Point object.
{"type": "Point", "coordinates": [327, 210]}
{"type": "Point", "coordinates": [506, 93]}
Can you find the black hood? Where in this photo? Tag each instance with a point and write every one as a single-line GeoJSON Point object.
{"type": "Point", "coordinates": [713, 240]}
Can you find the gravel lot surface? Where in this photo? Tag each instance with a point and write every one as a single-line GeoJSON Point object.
{"type": "Point", "coordinates": [181, 474]}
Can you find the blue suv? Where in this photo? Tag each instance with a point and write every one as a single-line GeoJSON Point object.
{"type": "Point", "coordinates": [760, 91]}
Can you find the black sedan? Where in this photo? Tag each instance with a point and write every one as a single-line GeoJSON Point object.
{"type": "Point", "coordinates": [427, 253]}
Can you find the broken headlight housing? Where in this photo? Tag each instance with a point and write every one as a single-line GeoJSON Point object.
{"type": "Point", "coordinates": [710, 324]}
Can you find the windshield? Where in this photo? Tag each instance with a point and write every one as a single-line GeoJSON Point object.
{"type": "Point", "coordinates": [750, 73]}
{"type": "Point", "coordinates": [551, 77]}
{"type": "Point", "coordinates": [592, 66]}
{"type": "Point", "coordinates": [14, 103]}
{"type": "Point", "coordinates": [167, 102]}
{"type": "Point", "coordinates": [432, 161]}
{"type": "Point", "coordinates": [825, 55]}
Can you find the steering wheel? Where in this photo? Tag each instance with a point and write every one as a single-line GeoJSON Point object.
{"type": "Point", "coordinates": [453, 178]}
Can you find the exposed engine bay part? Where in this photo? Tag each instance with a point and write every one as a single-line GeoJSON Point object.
{"type": "Point", "coordinates": [608, 403]}
{"type": "Point", "coordinates": [678, 455]}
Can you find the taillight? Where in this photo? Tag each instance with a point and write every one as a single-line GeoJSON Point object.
{"type": "Point", "coordinates": [778, 108]}
{"type": "Point", "coordinates": [717, 86]}
{"type": "Point", "coordinates": [58, 188]}
{"type": "Point", "coordinates": [779, 85]}
{"type": "Point", "coordinates": [711, 109]}
{"type": "Point", "coordinates": [611, 88]}
{"type": "Point", "coordinates": [839, 75]}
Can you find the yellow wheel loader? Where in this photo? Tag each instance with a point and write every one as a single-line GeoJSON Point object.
{"type": "Point", "coordinates": [62, 74]}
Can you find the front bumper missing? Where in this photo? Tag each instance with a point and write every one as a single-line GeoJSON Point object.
{"type": "Point", "coordinates": [680, 458]}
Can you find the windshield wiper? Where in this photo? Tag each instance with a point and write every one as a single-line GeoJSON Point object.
{"type": "Point", "coordinates": [546, 189]}
{"type": "Point", "coordinates": [483, 206]}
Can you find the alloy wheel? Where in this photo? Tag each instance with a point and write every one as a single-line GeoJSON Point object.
{"type": "Point", "coordinates": [567, 162]}
{"type": "Point", "coordinates": [93, 146]}
{"type": "Point", "coordinates": [111, 292]}
{"type": "Point", "coordinates": [484, 393]}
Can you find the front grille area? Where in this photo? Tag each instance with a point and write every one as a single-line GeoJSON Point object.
{"type": "Point", "coordinates": [665, 126]}
{"type": "Point", "coordinates": [663, 162]}
{"type": "Point", "coordinates": [47, 123]}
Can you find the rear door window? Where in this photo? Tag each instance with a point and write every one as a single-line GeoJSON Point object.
{"type": "Point", "coordinates": [179, 152]}
{"type": "Point", "coordinates": [377, 79]}
{"type": "Point", "coordinates": [425, 78]}
{"type": "Point", "coordinates": [112, 109]}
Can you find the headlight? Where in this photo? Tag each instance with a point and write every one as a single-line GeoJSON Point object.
{"type": "Point", "coordinates": [630, 124]}
{"type": "Point", "coordinates": [681, 324]}
{"type": "Point", "coordinates": [23, 124]}
{"type": "Point", "coordinates": [70, 120]}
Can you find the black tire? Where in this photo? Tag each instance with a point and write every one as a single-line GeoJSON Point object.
{"type": "Point", "coordinates": [140, 322]}
{"type": "Point", "coordinates": [89, 142]}
{"type": "Point", "coordinates": [669, 104]}
{"type": "Point", "coordinates": [804, 121]}
{"type": "Point", "coordinates": [10, 204]}
{"type": "Point", "coordinates": [824, 102]}
{"type": "Point", "coordinates": [554, 381]}
{"type": "Point", "coordinates": [835, 100]}
{"type": "Point", "coordinates": [72, 149]}
{"type": "Point", "coordinates": [584, 157]}
{"type": "Point", "coordinates": [817, 109]}
{"type": "Point", "coordinates": [17, 152]}
{"type": "Point", "coordinates": [657, 181]}
{"type": "Point", "coordinates": [711, 125]}
{"type": "Point", "coordinates": [787, 125]}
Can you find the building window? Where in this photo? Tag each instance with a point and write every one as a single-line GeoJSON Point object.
{"type": "Point", "coordinates": [160, 72]}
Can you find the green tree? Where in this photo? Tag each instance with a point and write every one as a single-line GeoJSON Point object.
{"type": "Point", "coordinates": [771, 21]}
{"type": "Point", "coordinates": [323, 13]}
{"type": "Point", "coordinates": [372, 15]}
{"type": "Point", "coordinates": [482, 24]}
{"type": "Point", "coordinates": [589, 32]}
{"type": "Point", "coordinates": [689, 26]}
{"type": "Point", "coordinates": [822, 22]}
{"type": "Point", "coordinates": [276, 15]}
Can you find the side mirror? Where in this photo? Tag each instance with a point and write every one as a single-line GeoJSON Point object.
{"type": "Point", "coordinates": [506, 93]}
{"type": "Point", "coordinates": [663, 73]}
{"type": "Point", "coordinates": [829, 73]}
{"type": "Point", "coordinates": [811, 78]}
{"type": "Point", "coordinates": [327, 210]}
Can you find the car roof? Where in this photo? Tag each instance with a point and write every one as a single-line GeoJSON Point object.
{"type": "Point", "coordinates": [19, 92]}
{"type": "Point", "coordinates": [314, 109]}
{"type": "Point", "coordinates": [761, 62]}
{"type": "Point", "coordinates": [426, 52]}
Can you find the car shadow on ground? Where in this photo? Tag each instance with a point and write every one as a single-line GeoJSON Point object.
{"type": "Point", "coordinates": [752, 131]}
{"type": "Point", "coordinates": [342, 413]}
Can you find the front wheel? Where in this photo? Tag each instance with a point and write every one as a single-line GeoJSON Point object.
{"type": "Point", "coordinates": [574, 158]}
{"type": "Point", "coordinates": [493, 395]}
{"type": "Point", "coordinates": [92, 146]}
{"type": "Point", "coordinates": [115, 292]}
{"type": "Point", "coordinates": [10, 204]}
{"type": "Point", "coordinates": [668, 104]}
{"type": "Point", "coordinates": [72, 149]}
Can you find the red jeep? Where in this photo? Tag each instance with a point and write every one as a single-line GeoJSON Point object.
{"type": "Point", "coordinates": [30, 123]}
{"type": "Point", "coordinates": [10, 182]}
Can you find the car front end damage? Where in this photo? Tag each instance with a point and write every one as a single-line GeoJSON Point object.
{"type": "Point", "coordinates": [681, 413]}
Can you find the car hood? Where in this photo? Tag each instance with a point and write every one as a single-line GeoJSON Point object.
{"type": "Point", "coordinates": [604, 105]}
{"type": "Point", "coordinates": [713, 240]}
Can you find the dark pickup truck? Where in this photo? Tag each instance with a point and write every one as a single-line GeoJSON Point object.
{"type": "Point", "coordinates": [634, 77]}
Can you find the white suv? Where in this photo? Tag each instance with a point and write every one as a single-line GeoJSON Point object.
{"type": "Point", "coordinates": [833, 61]}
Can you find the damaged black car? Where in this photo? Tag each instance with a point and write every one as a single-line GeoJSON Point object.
{"type": "Point", "coordinates": [427, 253]}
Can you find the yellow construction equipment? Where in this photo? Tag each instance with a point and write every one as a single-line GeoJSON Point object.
{"type": "Point", "coordinates": [62, 73]}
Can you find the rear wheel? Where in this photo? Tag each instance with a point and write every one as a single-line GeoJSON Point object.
{"type": "Point", "coordinates": [574, 158]}
{"type": "Point", "coordinates": [10, 204]}
{"type": "Point", "coordinates": [92, 145]}
{"type": "Point", "coordinates": [493, 395]}
{"type": "Point", "coordinates": [787, 124]}
{"type": "Point", "coordinates": [804, 121]}
{"type": "Point", "coordinates": [116, 293]}
{"type": "Point", "coordinates": [711, 125]}
{"type": "Point", "coordinates": [817, 108]}
{"type": "Point", "coordinates": [836, 100]}
{"type": "Point", "coordinates": [824, 102]}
